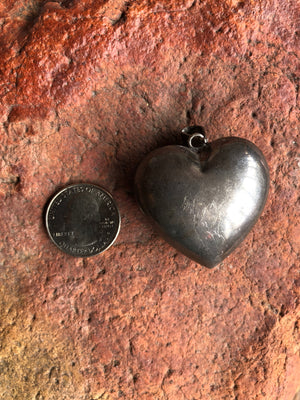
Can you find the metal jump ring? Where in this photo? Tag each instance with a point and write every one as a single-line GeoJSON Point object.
{"type": "Point", "coordinates": [197, 135]}
{"type": "Point", "coordinates": [192, 132]}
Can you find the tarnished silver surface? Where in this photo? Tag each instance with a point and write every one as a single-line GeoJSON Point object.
{"type": "Point", "coordinates": [204, 199]}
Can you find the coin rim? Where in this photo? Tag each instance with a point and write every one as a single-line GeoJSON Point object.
{"type": "Point", "coordinates": [69, 187]}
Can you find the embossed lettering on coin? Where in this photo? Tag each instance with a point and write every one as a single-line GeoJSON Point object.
{"type": "Point", "coordinates": [83, 220]}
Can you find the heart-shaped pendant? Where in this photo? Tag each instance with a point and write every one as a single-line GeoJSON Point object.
{"type": "Point", "coordinates": [204, 197]}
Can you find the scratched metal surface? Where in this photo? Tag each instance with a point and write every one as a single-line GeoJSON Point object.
{"type": "Point", "coordinates": [204, 202]}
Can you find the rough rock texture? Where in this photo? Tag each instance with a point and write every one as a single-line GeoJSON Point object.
{"type": "Point", "coordinates": [87, 89]}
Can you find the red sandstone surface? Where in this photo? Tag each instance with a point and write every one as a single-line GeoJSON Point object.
{"type": "Point", "coordinates": [87, 89]}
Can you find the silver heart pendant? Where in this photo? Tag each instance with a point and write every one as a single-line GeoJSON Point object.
{"type": "Point", "coordinates": [204, 197]}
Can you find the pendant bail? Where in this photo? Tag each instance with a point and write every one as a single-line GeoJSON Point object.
{"type": "Point", "coordinates": [195, 136]}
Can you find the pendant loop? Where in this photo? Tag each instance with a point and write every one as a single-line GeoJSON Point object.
{"type": "Point", "coordinates": [198, 139]}
{"type": "Point", "coordinates": [195, 136]}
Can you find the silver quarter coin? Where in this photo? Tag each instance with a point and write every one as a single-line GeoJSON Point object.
{"type": "Point", "coordinates": [83, 220]}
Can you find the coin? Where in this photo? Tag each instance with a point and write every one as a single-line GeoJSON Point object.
{"type": "Point", "coordinates": [83, 220]}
